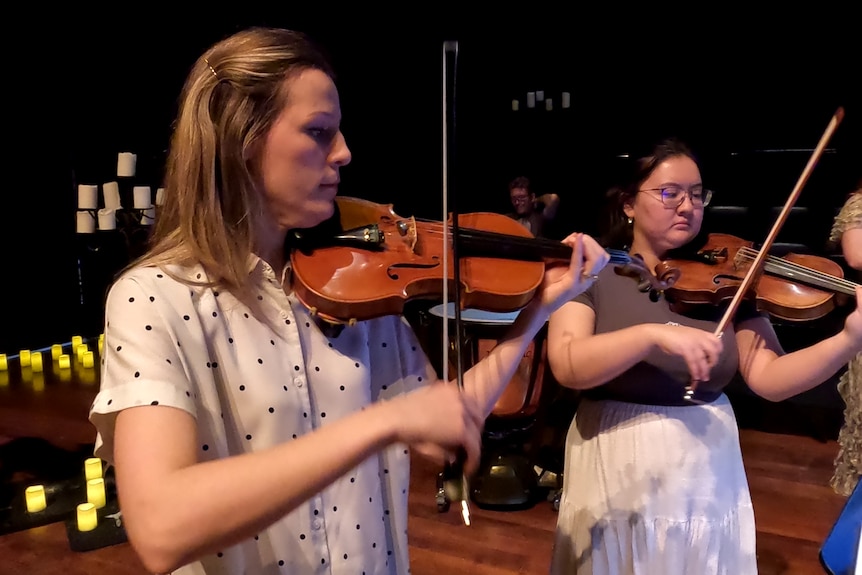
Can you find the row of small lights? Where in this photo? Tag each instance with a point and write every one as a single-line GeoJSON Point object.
{"type": "Point", "coordinates": [539, 96]}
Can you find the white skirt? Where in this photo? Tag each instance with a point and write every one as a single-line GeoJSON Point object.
{"type": "Point", "coordinates": [654, 490]}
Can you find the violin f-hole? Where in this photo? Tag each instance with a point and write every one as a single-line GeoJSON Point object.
{"type": "Point", "coordinates": [390, 271]}
{"type": "Point", "coordinates": [717, 278]}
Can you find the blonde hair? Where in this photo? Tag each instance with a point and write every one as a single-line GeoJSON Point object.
{"type": "Point", "coordinates": [230, 100]}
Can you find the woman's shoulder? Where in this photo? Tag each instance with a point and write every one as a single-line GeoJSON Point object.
{"type": "Point", "coordinates": [160, 278]}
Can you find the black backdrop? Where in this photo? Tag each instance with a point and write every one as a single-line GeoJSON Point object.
{"type": "Point", "coordinates": [83, 87]}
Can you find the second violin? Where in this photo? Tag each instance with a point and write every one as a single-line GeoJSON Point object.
{"type": "Point", "coordinates": [794, 287]}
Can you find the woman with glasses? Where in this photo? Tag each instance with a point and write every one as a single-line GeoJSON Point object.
{"type": "Point", "coordinates": [654, 482]}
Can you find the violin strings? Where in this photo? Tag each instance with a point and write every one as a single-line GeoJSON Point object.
{"type": "Point", "coordinates": [786, 265]}
{"type": "Point", "coordinates": [440, 228]}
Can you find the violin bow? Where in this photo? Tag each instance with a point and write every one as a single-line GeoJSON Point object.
{"type": "Point", "coordinates": [770, 238]}
{"type": "Point", "coordinates": [451, 47]}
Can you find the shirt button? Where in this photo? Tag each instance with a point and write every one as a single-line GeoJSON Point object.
{"type": "Point", "coordinates": [297, 381]}
{"type": "Point", "coordinates": [315, 524]}
{"type": "Point", "coordinates": [283, 315]}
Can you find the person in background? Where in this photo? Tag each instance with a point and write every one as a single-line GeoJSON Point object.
{"type": "Point", "coordinates": [246, 437]}
{"type": "Point", "coordinates": [653, 480]}
{"type": "Point", "coordinates": [847, 234]}
{"type": "Point", "coordinates": [534, 213]}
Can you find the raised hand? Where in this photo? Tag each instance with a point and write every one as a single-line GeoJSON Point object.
{"type": "Point", "coordinates": [561, 283]}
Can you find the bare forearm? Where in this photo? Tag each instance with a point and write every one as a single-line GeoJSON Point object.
{"type": "Point", "coordinates": [487, 380]}
{"type": "Point", "coordinates": [204, 507]}
{"type": "Point", "coordinates": [582, 363]}
{"type": "Point", "coordinates": [796, 372]}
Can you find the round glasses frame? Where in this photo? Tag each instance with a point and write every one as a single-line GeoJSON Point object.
{"type": "Point", "coordinates": [673, 196]}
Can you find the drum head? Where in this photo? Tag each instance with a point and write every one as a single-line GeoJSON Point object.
{"type": "Point", "coordinates": [475, 315]}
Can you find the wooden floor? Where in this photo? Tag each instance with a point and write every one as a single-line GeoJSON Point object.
{"type": "Point", "coordinates": [788, 475]}
{"type": "Point", "coordinates": [793, 503]}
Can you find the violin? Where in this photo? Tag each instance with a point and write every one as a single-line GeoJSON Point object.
{"type": "Point", "coordinates": [794, 287]}
{"type": "Point", "coordinates": [367, 262]}
{"type": "Point", "coordinates": [757, 267]}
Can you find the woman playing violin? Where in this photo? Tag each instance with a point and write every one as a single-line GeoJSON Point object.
{"type": "Point", "coordinates": [654, 483]}
{"type": "Point", "coordinates": [245, 439]}
{"type": "Point", "coordinates": [847, 233]}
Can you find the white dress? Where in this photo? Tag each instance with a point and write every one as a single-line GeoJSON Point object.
{"type": "Point", "coordinates": [654, 490]}
{"type": "Point", "coordinates": [254, 383]}
{"type": "Point", "coordinates": [653, 485]}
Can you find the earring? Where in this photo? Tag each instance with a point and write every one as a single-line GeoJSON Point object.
{"type": "Point", "coordinates": [631, 221]}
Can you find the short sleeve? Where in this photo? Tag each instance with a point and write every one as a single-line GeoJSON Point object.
{"type": "Point", "coordinates": [848, 218]}
{"type": "Point", "coordinates": [588, 296]}
{"type": "Point", "coordinates": [143, 362]}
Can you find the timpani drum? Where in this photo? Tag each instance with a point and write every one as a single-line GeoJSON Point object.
{"type": "Point", "coordinates": [482, 331]}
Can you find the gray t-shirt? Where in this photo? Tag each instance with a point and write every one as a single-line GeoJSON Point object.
{"type": "Point", "coordinates": [659, 379]}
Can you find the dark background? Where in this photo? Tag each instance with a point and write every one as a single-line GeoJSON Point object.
{"type": "Point", "coordinates": [82, 87]}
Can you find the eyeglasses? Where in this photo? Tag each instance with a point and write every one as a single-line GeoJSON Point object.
{"type": "Point", "coordinates": [520, 199]}
{"type": "Point", "coordinates": [673, 196]}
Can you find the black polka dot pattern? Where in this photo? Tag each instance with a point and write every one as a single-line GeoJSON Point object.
{"type": "Point", "coordinates": [254, 382]}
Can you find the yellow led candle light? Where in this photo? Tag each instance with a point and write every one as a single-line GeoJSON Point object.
{"type": "Point", "coordinates": [93, 468]}
{"type": "Point", "coordinates": [88, 359]}
{"type": "Point", "coordinates": [56, 351]}
{"type": "Point", "coordinates": [96, 492]}
{"type": "Point", "coordinates": [4, 365]}
{"type": "Point", "coordinates": [34, 496]}
{"type": "Point", "coordinates": [80, 351]}
{"type": "Point", "coordinates": [36, 361]}
{"type": "Point", "coordinates": [64, 361]}
{"type": "Point", "coordinates": [76, 341]}
{"type": "Point", "coordinates": [87, 518]}
{"type": "Point", "coordinates": [24, 357]}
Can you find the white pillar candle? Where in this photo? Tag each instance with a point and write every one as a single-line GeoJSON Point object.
{"type": "Point", "coordinates": [160, 196]}
{"type": "Point", "coordinates": [148, 216]}
{"type": "Point", "coordinates": [107, 219]}
{"type": "Point", "coordinates": [87, 517]}
{"type": "Point", "coordinates": [85, 223]}
{"type": "Point", "coordinates": [34, 497]}
{"type": "Point", "coordinates": [111, 191]}
{"type": "Point", "coordinates": [540, 95]}
{"type": "Point", "coordinates": [531, 99]}
{"type": "Point", "coordinates": [549, 104]}
{"type": "Point", "coordinates": [92, 468]}
{"type": "Point", "coordinates": [142, 197]}
{"type": "Point", "coordinates": [96, 492]}
{"type": "Point", "coordinates": [126, 162]}
{"type": "Point", "coordinates": [88, 197]}
{"type": "Point", "coordinates": [566, 99]}
{"type": "Point", "coordinates": [515, 105]}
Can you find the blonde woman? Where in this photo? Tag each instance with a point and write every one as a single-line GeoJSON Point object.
{"type": "Point", "coordinates": [245, 439]}
{"type": "Point", "coordinates": [847, 233]}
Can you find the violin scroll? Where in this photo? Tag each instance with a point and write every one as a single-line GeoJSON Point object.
{"type": "Point", "coordinates": [634, 266]}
